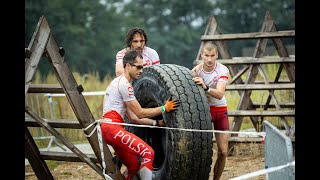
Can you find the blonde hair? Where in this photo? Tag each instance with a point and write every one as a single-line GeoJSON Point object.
{"type": "Point", "coordinates": [208, 45]}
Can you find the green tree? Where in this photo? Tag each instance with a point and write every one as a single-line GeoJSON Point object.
{"type": "Point", "coordinates": [92, 32]}
{"type": "Point", "coordinates": [174, 27]}
{"type": "Point", "coordinates": [248, 15]}
{"type": "Point", "coordinates": [83, 28]}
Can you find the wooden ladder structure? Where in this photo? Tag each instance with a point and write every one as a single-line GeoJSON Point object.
{"type": "Point", "coordinates": [252, 65]}
{"type": "Point", "coordinates": [44, 44]}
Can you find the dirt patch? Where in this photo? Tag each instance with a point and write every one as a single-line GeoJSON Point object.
{"type": "Point", "coordinates": [245, 158]}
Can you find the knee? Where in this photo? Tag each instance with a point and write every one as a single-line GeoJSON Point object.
{"type": "Point", "coordinates": [132, 169]}
{"type": "Point", "coordinates": [223, 154]}
{"type": "Point", "coordinates": [151, 155]}
{"type": "Point", "coordinates": [147, 159]}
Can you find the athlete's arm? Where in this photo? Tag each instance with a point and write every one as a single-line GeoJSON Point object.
{"type": "Point", "coordinates": [133, 118]}
{"type": "Point", "coordinates": [219, 91]}
{"type": "Point", "coordinates": [119, 69]}
{"type": "Point", "coordinates": [140, 112]}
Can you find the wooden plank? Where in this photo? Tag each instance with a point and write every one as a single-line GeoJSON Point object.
{"type": "Point", "coordinates": [262, 60]}
{"type": "Point", "coordinates": [278, 81]}
{"type": "Point", "coordinates": [271, 105]}
{"type": "Point", "coordinates": [65, 156]}
{"type": "Point", "coordinates": [64, 140]}
{"type": "Point", "coordinates": [79, 105]}
{"type": "Point", "coordinates": [45, 88]}
{"type": "Point", "coordinates": [59, 123]}
{"type": "Point", "coordinates": [284, 86]}
{"type": "Point", "coordinates": [32, 153]}
{"type": "Point", "coordinates": [36, 48]}
{"type": "Point", "coordinates": [269, 113]}
{"type": "Point", "coordinates": [252, 35]}
{"type": "Point", "coordinates": [251, 60]}
{"type": "Point", "coordinates": [248, 140]}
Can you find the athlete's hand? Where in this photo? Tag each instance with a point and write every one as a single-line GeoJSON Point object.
{"type": "Point", "coordinates": [171, 104]}
{"type": "Point", "coordinates": [162, 123]}
{"type": "Point", "coordinates": [199, 81]}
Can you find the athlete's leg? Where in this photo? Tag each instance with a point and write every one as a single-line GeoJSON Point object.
{"type": "Point", "coordinates": [221, 123]}
{"type": "Point", "coordinates": [131, 147]}
{"type": "Point", "coordinates": [129, 160]}
{"type": "Point", "coordinates": [222, 143]}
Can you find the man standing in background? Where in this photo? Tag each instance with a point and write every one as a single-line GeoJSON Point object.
{"type": "Point", "coordinates": [136, 39]}
{"type": "Point", "coordinates": [213, 77]}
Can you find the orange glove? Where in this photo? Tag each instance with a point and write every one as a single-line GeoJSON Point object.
{"type": "Point", "coordinates": [171, 104]}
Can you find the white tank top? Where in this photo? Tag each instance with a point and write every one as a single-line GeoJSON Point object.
{"type": "Point", "coordinates": [150, 56]}
{"type": "Point", "coordinates": [211, 79]}
{"type": "Point", "coordinates": [118, 91]}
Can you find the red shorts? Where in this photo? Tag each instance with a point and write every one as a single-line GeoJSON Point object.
{"type": "Point", "coordinates": [127, 145]}
{"type": "Point", "coordinates": [220, 118]}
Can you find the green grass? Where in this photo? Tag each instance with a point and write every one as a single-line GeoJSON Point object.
{"type": "Point", "coordinates": [53, 164]}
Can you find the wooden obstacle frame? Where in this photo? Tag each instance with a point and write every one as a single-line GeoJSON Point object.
{"type": "Point", "coordinates": [44, 44]}
{"type": "Point", "coordinates": [252, 66]}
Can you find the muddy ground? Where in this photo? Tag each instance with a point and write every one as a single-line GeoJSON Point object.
{"type": "Point", "coordinates": [245, 158]}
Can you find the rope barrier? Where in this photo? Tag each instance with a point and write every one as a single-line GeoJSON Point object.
{"type": "Point", "coordinates": [262, 134]}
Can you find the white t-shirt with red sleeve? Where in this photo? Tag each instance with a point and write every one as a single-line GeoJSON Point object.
{"type": "Point", "coordinates": [118, 91]}
{"type": "Point", "coordinates": [211, 79]}
{"type": "Point", "coordinates": [150, 56]}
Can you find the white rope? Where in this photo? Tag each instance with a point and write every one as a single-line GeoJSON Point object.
{"type": "Point", "coordinates": [94, 93]}
{"type": "Point", "coordinates": [98, 128]}
{"type": "Point", "coordinates": [102, 154]}
{"type": "Point", "coordinates": [263, 171]}
{"type": "Point", "coordinates": [171, 128]}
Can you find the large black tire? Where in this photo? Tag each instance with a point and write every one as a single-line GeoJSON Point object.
{"type": "Point", "coordinates": [178, 154]}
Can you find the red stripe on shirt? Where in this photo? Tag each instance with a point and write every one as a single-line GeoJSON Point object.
{"type": "Point", "coordinates": [156, 62]}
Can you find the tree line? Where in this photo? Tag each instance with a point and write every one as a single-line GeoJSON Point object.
{"type": "Point", "coordinates": [93, 31]}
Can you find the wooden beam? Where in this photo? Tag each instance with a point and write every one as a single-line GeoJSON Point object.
{"type": "Point", "coordinates": [251, 60]}
{"type": "Point", "coordinates": [35, 50]}
{"type": "Point", "coordinates": [272, 105]}
{"type": "Point", "coordinates": [79, 106]}
{"type": "Point", "coordinates": [252, 35]}
{"type": "Point", "coordinates": [278, 81]}
{"type": "Point", "coordinates": [287, 86]}
{"type": "Point", "coordinates": [60, 123]}
{"type": "Point", "coordinates": [32, 153]}
{"type": "Point", "coordinates": [65, 156]}
{"type": "Point", "coordinates": [64, 140]}
{"type": "Point", "coordinates": [45, 88]}
{"type": "Point", "coordinates": [248, 140]}
{"type": "Point", "coordinates": [243, 113]}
